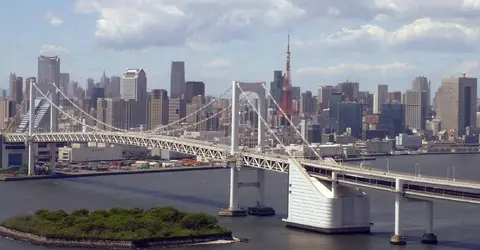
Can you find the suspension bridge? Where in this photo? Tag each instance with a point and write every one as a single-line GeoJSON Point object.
{"type": "Point", "coordinates": [323, 195]}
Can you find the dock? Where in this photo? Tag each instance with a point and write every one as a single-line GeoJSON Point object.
{"type": "Point", "coordinates": [88, 173]}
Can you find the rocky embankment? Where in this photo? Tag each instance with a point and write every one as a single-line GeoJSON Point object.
{"type": "Point", "coordinates": [114, 244]}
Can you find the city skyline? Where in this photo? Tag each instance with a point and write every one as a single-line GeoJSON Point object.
{"type": "Point", "coordinates": [382, 45]}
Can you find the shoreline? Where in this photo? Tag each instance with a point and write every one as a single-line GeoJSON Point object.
{"type": "Point", "coordinates": [65, 175]}
{"type": "Point", "coordinates": [116, 244]}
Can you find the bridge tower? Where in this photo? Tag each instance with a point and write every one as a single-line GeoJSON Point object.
{"type": "Point", "coordinates": [235, 166]}
{"type": "Point", "coordinates": [53, 127]}
{"type": "Point", "coordinates": [31, 124]}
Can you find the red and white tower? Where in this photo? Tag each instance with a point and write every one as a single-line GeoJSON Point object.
{"type": "Point", "coordinates": [287, 85]}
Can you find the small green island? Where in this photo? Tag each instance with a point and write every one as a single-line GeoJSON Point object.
{"type": "Point", "coordinates": [116, 228]}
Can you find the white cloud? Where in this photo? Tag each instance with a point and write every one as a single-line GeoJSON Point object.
{"type": "Point", "coordinates": [469, 67]}
{"type": "Point", "coordinates": [136, 24]}
{"type": "Point", "coordinates": [198, 46]}
{"type": "Point", "coordinates": [342, 68]}
{"type": "Point", "coordinates": [53, 19]}
{"type": "Point", "coordinates": [218, 64]}
{"type": "Point", "coordinates": [422, 34]}
{"type": "Point", "coordinates": [53, 49]}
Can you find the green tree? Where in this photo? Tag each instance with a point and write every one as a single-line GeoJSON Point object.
{"type": "Point", "coordinates": [81, 212]}
{"type": "Point", "coordinates": [197, 221]}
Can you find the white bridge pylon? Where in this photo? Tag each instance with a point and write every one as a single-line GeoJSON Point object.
{"type": "Point", "coordinates": [235, 167]}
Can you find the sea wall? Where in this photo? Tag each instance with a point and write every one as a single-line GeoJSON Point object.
{"type": "Point", "coordinates": [113, 244]}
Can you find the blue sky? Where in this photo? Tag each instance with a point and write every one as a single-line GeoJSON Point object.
{"type": "Point", "coordinates": [370, 41]}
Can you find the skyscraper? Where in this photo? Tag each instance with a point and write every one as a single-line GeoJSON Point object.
{"type": "Point", "coordinates": [350, 89]}
{"type": "Point", "coordinates": [48, 72]}
{"type": "Point", "coordinates": [11, 78]}
{"type": "Point", "coordinates": [324, 95]}
{"type": "Point", "coordinates": [421, 83]}
{"type": "Point", "coordinates": [177, 79]}
{"type": "Point", "coordinates": [276, 88]}
{"type": "Point", "coordinates": [193, 89]}
{"type": "Point", "coordinates": [113, 88]}
{"type": "Point", "coordinates": [392, 119]}
{"type": "Point", "coordinates": [457, 100]}
{"type": "Point", "coordinates": [134, 85]}
{"type": "Point", "coordinates": [158, 108]}
{"type": "Point", "coordinates": [64, 80]}
{"type": "Point", "coordinates": [415, 108]}
{"type": "Point", "coordinates": [380, 98]}
{"type": "Point", "coordinates": [16, 90]}
{"type": "Point", "coordinates": [307, 105]}
{"type": "Point", "coordinates": [133, 90]}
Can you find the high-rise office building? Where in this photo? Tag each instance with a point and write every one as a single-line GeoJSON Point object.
{"type": "Point", "coordinates": [11, 78]}
{"type": "Point", "coordinates": [380, 98]}
{"type": "Point", "coordinates": [366, 99]}
{"type": "Point", "coordinates": [7, 110]}
{"type": "Point", "coordinates": [113, 112]}
{"type": "Point", "coordinates": [457, 101]}
{"type": "Point", "coordinates": [90, 83]}
{"type": "Point", "coordinates": [276, 89]}
{"type": "Point", "coordinates": [395, 97]}
{"type": "Point", "coordinates": [48, 73]}
{"type": "Point", "coordinates": [177, 79]}
{"type": "Point", "coordinates": [64, 80]}
{"type": "Point", "coordinates": [193, 89]}
{"type": "Point", "coordinates": [96, 93]}
{"type": "Point", "coordinates": [158, 108]}
{"type": "Point", "coordinates": [16, 90]}
{"type": "Point", "coordinates": [296, 93]}
{"type": "Point", "coordinates": [392, 119]}
{"type": "Point", "coordinates": [133, 90]}
{"type": "Point", "coordinates": [134, 85]}
{"type": "Point", "coordinates": [350, 89]}
{"type": "Point", "coordinates": [113, 88]}
{"type": "Point", "coordinates": [415, 108]}
{"type": "Point", "coordinates": [307, 104]}
{"type": "Point", "coordinates": [324, 95]}
{"type": "Point", "coordinates": [349, 116]}
{"type": "Point", "coordinates": [177, 109]}
{"type": "Point", "coordinates": [421, 83]}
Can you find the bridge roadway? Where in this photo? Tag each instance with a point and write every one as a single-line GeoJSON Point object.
{"type": "Point", "coordinates": [416, 186]}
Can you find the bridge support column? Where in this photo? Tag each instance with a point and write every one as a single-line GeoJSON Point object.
{"type": "Point", "coordinates": [429, 237]}
{"type": "Point", "coordinates": [398, 238]}
{"type": "Point", "coordinates": [260, 209]}
{"type": "Point", "coordinates": [53, 157]}
{"type": "Point", "coordinates": [31, 157]}
{"type": "Point", "coordinates": [334, 185]}
{"type": "Point", "coordinates": [234, 209]}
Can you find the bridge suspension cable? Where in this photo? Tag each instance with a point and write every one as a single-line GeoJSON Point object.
{"type": "Point", "coordinates": [191, 114]}
{"type": "Point", "coordinates": [17, 113]}
{"type": "Point", "coordinates": [152, 131]}
{"type": "Point", "coordinates": [229, 108]}
{"type": "Point", "coordinates": [86, 113]}
{"type": "Point", "coordinates": [272, 132]}
{"type": "Point", "coordinates": [63, 112]}
{"type": "Point", "coordinates": [292, 125]}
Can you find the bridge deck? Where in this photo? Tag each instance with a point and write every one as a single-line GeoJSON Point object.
{"type": "Point", "coordinates": [274, 162]}
{"type": "Point", "coordinates": [411, 188]}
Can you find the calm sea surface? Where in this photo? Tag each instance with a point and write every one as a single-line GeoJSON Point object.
{"type": "Point", "coordinates": [456, 225]}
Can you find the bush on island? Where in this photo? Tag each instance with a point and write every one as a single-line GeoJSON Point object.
{"type": "Point", "coordinates": [118, 224]}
